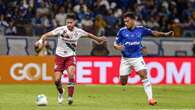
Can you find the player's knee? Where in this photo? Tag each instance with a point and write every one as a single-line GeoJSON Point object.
{"type": "Point", "coordinates": [57, 76]}
{"type": "Point", "coordinates": [142, 74]}
{"type": "Point", "coordinates": [71, 72]}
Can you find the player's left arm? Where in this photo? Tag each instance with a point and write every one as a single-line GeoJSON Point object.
{"type": "Point", "coordinates": [149, 32]}
{"type": "Point", "coordinates": [162, 34]}
{"type": "Point", "coordinates": [98, 39]}
{"type": "Point", "coordinates": [91, 36]}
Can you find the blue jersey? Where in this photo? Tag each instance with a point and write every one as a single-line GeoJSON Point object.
{"type": "Point", "coordinates": [131, 40]}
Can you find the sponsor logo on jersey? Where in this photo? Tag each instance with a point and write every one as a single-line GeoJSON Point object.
{"type": "Point", "coordinates": [132, 43]}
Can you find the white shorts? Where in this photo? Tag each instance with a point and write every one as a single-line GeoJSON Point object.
{"type": "Point", "coordinates": [126, 64]}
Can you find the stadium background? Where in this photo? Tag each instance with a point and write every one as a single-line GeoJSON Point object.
{"type": "Point", "coordinates": [170, 60]}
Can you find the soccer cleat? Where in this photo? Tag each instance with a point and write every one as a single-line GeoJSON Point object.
{"type": "Point", "coordinates": [152, 102]}
{"type": "Point", "coordinates": [61, 97]}
{"type": "Point", "coordinates": [70, 100]}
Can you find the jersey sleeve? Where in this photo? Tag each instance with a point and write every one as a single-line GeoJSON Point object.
{"type": "Point", "coordinates": [57, 31]}
{"type": "Point", "coordinates": [82, 33]}
{"type": "Point", "coordinates": [146, 31]}
{"type": "Point", "coordinates": [118, 38]}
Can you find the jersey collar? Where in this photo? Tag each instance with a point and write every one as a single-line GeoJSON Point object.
{"type": "Point", "coordinates": [130, 29]}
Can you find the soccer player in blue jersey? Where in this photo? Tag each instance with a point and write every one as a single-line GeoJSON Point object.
{"type": "Point", "coordinates": [128, 41]}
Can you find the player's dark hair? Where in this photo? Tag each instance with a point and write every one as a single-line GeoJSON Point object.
{"type": "Point", "coordinates": [130, 15]}
{"type": "Point", "coordinates": [71, 16]}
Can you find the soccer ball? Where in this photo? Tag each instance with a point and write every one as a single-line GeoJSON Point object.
{"type": "Point", "coordinates": [41, 100]}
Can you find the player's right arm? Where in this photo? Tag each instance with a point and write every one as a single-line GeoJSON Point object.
{"type": "Point", "coordinates": [119, 47]}
{"type": "Point", "coordinates": [117, 43]}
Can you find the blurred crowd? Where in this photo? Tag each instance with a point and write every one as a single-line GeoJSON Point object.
{"type": "Point", "coordinates": [100, 17]}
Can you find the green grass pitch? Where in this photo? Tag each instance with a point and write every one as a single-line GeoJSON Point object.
{"type": "Point", "coordinates": [98, 97]}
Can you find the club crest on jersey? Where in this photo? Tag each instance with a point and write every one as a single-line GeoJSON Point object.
{"type": "Point", "coordinates": [127, 35]}
{"type": "Point", "coordinates": [138, 35]}
{"type": "Point", "coordinates": [132, 35]}
{"type": "Point", "coordinates": [75, 34]}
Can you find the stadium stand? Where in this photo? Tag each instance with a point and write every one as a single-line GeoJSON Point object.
{"type": "Point", "coordinates": [34, 17]}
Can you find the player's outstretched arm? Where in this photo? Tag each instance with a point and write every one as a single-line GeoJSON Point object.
{"type": "Point", "coordinates": [44, 37]}
{"type": "Point", "coordinates": [163, 34]}
{"type": "Point", "coordinates": [98, 39]}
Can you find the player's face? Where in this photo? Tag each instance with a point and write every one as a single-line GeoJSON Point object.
{"type": "Point", "coordinates": [70, 23]}
{"type": "Point", "coordinates": [129, 23]}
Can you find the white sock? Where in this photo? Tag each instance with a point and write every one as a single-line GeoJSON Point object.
{"type": "Point", "coordinates": [147, 88]}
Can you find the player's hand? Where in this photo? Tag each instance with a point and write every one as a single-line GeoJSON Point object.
{"type": "Point", "coordinates": [102, 40]}
{"type": "Point", "coordinates": [120, 47]}
{"type": "Point", "coordinates": [39, 43]}
{"type": "Point", "coordinates": [170, 33]}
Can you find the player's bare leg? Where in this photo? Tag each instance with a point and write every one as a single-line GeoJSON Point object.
{"type": "Point", "coordinates": [71, 72]}
{"type": "Point", "coordinates": [123, 80]}
{"type": "Point", "coordinates": [147, 86]}
{"type": "Point", "coordinates": [59, 87]}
